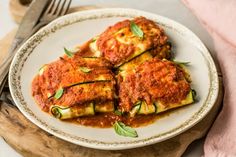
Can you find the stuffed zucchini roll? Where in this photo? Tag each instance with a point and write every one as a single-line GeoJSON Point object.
{"type": "Point", "coordinates": [79, 80]}
{"type": "Point", "coordinates": [154, 86]}
{"type": "Point", "coordinates": [130, 38]}
{"type": "Point", "coordinates": [87, 109]}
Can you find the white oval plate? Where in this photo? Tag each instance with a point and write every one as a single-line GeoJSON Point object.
{"type": "Point", "coordinates": [73, 29]}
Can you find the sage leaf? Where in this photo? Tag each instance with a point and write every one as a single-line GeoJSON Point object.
{"type": "Point", "coordinates": [117, 112]}
{"type": "Point", "coordinates": [85, 69]}
{"type": "Point", "coordinates": [123, 130]}
{"type": "Point", "coordinates": [136, 30]}
{"type": "Point", "coordinates": [70, 54]}
{"type": "Point", "coordinates": [59, 93]}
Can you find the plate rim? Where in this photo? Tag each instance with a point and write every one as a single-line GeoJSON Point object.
{"type": "Point", "coordinates": [14, 79]}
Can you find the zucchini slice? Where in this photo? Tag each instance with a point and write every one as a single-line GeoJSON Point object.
{"type": "Point", "coordinates": [99, 79]}
{"type": "Point", "coordinates": [72, 112]}
{"type": "Point", "coordinates": [62, 112]}
{"type": "Point", "coordinates": [107, 106]}
{"type": "Point", "coordinates": [83, 93]}
{"type": "Point", "coordinates": [147, 108]}
{"type": "Point", "coordinates": [160, 107]}
{"type": "Point", "coordinates": [130, 59]}
{"type": "Point", "coordinates": [141, 107]}
{"type": "Point", "coordinates": [93, 47]}
{"type": "Point", "coordinates": [81, 77]}
{"type": "Point", "coordinates": [186, 72]}
{"type": "Point", "coordinates": [143, 56]}
{"type": "Point", "coordinates": [140, 46]}
{"type": "Point", "coordinates": [135, 109]}
{"type": "Point", "coordinates": [135, 62]}
{"type": "Point", "coordinates": [42, 69]}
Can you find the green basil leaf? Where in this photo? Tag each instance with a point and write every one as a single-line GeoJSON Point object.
{"type": "Point", "coordinates": [68, 53]}
{"type": "Point", "coordinates": [59, 93]}
{"type": "Point", "coordinates": [94, 39]}
{"type": "Point", "coordinates": [85, 69]}
{"type": "Point", "coordinates": [117, 112]}
{"type": "Point", "coordinates": [123, 130]}
{"type": "Point", "coordinates": [136, 30]}
{"type": "Point", "coordinates": [180, 62]}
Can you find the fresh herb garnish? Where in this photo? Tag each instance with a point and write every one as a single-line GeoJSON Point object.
{"type": "Point", "coordinates": [59, 93]}
{"type": "Point", "coordinates": [85, 69]}
{"type": "Point", "coordinates": [180, 62]}
{"type": "Point", "coordinates": [117, 112]}
{"type": "Point", "coordinates": [68, 53]}
{"type": "Point", "coordinates": [136, 30]}
{"type": "Point", "coordinates": [123, 130]}
{"type": "Point", "coordinates": [94, 39]}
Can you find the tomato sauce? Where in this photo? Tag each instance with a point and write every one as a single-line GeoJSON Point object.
{"type": "Point", "coordinates": [106, 120]}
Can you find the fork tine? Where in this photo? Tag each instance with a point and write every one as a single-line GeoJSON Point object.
{"type": "Point", "coordinates": [65, 8]}
{"type": "Point", "coordinates": [60, 8]}
{"type": "Point", "coordinates": [55, 7]}
{"type": "Point", "coordinates": [49, 7]}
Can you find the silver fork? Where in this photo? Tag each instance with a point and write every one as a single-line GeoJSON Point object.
{"type": "Point", "coordinates": [55, 9]}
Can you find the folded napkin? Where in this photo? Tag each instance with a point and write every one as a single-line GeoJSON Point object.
{"type": "Point", "coordinates": [219, 18]}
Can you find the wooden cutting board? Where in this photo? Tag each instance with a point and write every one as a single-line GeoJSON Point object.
{"type": "Point", "coordinates": [31, 141]}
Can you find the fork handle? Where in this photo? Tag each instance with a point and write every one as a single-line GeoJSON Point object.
{"type": "Point", "coordinates": [4, 82]}
{"type": "Point", "coordinates": [4, 69]}
{"type": "Point", "coordinates": [38, 26]}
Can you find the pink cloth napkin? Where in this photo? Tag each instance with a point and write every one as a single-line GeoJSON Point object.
{"type": "Point", "coordinates": [219, 18]}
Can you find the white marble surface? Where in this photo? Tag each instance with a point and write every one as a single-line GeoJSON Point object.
{"type": "Point", "coordinates": [173, 9]}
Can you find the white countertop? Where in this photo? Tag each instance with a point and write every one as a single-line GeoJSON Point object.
{"type": "Point", "coordinates": [173, 9]}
